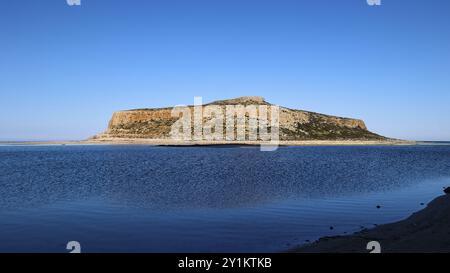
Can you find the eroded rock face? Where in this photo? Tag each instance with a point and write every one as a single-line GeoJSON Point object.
{"type": "Point", "coordinates": [294, 124]}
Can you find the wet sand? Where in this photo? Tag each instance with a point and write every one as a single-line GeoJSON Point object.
{"type": "Point", "coordinates": [426, 231]}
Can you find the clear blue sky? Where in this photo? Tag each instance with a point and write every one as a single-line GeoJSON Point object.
{"type": "Point", "coordinates": [64, 70]}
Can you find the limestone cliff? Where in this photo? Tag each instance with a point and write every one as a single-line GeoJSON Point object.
{"type": "Point", "coordinates": [294, 124]}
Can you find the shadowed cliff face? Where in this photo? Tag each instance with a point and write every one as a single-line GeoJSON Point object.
{"type": "Point", "coordinates": [294, 124]}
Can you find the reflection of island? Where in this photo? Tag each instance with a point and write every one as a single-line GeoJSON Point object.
{"type": "Point", "coordinates": [153, 126]}
{"type": "Point", "coordinates": [425, 231]}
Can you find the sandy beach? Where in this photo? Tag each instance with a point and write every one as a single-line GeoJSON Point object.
{"type": "Point", "coordinates": [426, 231]}
{"type": "Point", "coordinates": [169, 142]}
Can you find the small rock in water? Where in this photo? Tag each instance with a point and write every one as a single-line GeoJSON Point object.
{"type": "Point", "coordinates": [331, 228]}
{"type": "Point", "coordinates": [422, 204]}
{"type": "Point", "coordinates": [378, 206]}
{"type": "Point", "coordinates": [447, 190]}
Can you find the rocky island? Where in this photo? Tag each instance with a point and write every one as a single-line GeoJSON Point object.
{"type": "Point", "coordinates": [296, 127]}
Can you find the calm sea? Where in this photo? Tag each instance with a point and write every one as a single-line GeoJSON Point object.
{"type": "Point", "coordinates": [210, 199]}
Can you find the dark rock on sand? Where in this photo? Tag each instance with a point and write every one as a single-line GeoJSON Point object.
{"type": "Point", "coordinates": [424, 231]}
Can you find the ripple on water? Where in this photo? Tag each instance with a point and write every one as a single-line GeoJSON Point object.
{"type": "Point", "coordinates": [141, 198]}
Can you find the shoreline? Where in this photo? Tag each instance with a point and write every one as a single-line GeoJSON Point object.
{"type": "Point", "coordinates": [172, 143]}
{"type": "Point", "coordinates": [425, 231]}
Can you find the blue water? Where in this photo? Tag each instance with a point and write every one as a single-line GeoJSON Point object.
{"type": "Point", "coordinates": [237, 199]}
